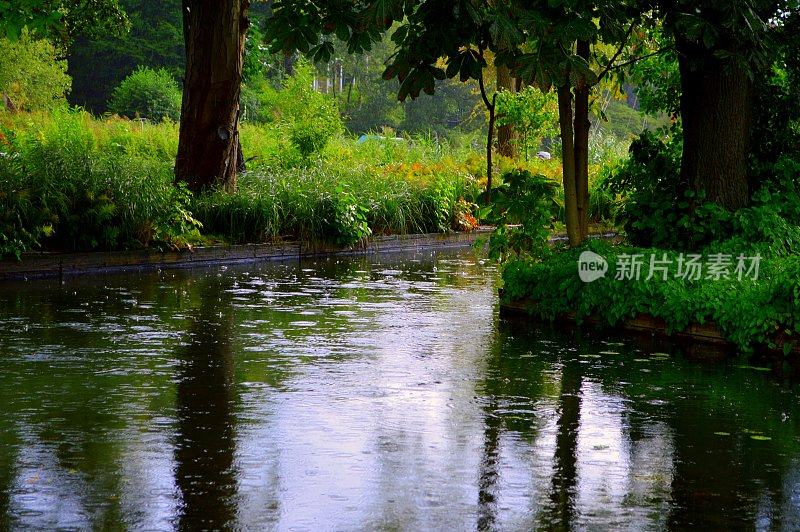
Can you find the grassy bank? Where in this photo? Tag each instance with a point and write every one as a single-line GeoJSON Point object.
{"type": "Point", "coordinates": [70, 182]}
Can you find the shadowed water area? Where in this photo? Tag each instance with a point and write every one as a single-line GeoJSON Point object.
{"type": "Point", "coordinates": [368, 393]}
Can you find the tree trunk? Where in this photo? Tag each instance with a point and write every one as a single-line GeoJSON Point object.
{"type": "Point", "coordinates": [582, 127]}
{"type": "Point", "coordinates": [568, 165]}
{"type": "Point", "coordinates": [489, 146]}
{"type": "Point", "coordinates": [505, 134]}
{"type": "Point", "coordinates": [716, 111]}
{"type": "Point", "coordinates": [214, 34]}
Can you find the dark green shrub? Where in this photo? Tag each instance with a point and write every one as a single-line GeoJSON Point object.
{"type": "Point", "coordinates": [658, 209]}
{"type": "Point", "coordinates": [522, 212]}
{"type": "Point", "coordinates": [311, 135]}
{"type": "Point", "coordinates": [147, 93]}
{"type": "Point", "coordinates": [750, 312]}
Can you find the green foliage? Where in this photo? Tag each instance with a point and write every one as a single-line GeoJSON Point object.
{"type": "Point", "coordinates": [256, 56]}
{"type": "Point", "coordinates": [770, 224]}
{"type": "Point", "coordinates": [347, 219]}
{"type": "Point", "coordinates": [309, 119]}
{"type": "Point", "coordinates": [657, 77]}
{"type": "Point", "coordinates": [522, 211]}
{"type": "Point", "coordinates": [155, 40]}
{"type": "Point", "coordinates": [70, 182]}
{"type": "Point", "coordinates": [731, 30]}
{"type": "Point", "coordinates": [373, 106]}
{"type": "Point", "coordinates": [535, 40]}
{"type": "Point", "coordinates": [449, 110]}
{"type": "Point", "coordinates": [31, 76]}
{"type": "Point", "coordinates": [342, 200]}
{"type": "Point", "coordinates": [626, 123]}
{"type": "Point", "coordinates": [604, 205]}
{"type": "Point", "coordinates": [749, 312]}
{"type": "Point", "coordinates": [67, 186]}
{"type": "Point", "coordinates": [776, 114]}
{"type": "Point", "coordinates": [147, 93]}
{"type": "Point", "coordinates": [61, 19]}
{"type": "Point", "coordinates": [532, 113]}
{"type": "Point", "coordinates": [656, 209]}
{"type": "Point", "coordinates": [605, 148]}
{"type": "Point", "coordinates": [309, 135]}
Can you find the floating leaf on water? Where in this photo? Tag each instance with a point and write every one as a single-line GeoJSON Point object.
{"type": "Point", "coordinates": [722, 433]}
{"type": "Point", "coordinates": [609, 352]}
{"type": "Point", "coordinates": [760, 437]}
{"type": "Point", "coordinates": [641, 360]}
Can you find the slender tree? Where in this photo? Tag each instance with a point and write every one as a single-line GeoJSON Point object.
{"type": "Point", "coordinates": [550, 43]}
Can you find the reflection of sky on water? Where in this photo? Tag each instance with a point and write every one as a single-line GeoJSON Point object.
{"type": "Point", "coordinates": [350, 395]}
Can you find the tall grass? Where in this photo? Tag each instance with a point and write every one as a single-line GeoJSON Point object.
{"type": "Point", "coordinates": [69, 181]}
{"type": "Point", "coordinates": [303, 202]}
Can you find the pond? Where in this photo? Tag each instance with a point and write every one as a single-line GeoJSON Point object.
{"type": "Point", "coordinates": [368, 393]}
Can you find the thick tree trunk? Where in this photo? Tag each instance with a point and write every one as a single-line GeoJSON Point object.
{"type": "Point", "coordinates": [214, 34]}
{"type": "Point", "coordinates": [716, 111]}
{"type": "Point", "coordinates": [568, 165]}
{"type": "Point", "coordinates": [505, 134]}
{"type": "Point", "coordinates": [582, 126]}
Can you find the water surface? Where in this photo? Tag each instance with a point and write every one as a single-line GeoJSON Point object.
{"type": "Point", "coordinates": [363, 394]}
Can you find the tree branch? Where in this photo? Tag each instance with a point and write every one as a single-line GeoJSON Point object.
{"type": "Point", "coordinates": [637, 59]}
{"type": "Point", "coordinates": [619, 51]}
{"type": "Point", "coordinates": [489, 105]}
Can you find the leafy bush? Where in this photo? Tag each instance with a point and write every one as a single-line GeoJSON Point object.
{"type": "Point", "coordinates": [658, 210]}
{"type": "Point", "coordinates": [527, 201]}
{"type": "Point", "coordinates": [771, 224]}
{"type": "Point", "coordinates": [749, 312]}
{"type": "Point", "coordinates": [347, 220]}
{"type": "Point", "coordinates": [147, 93]}
{"type": "Point", "coordinates": [532, 113]}
{"type": "Point", "coordinates": [309, 118]}
{"type": "Point", "coordinates": [31, 75]}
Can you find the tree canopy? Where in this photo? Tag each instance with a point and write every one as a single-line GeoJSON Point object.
{"type": "Point", "coordinates": [62, 19]}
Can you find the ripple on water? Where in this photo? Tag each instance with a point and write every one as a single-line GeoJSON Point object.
{"type": "Point", "coordinates": [365, 395]}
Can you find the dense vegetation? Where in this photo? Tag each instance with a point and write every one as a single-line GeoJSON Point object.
{"type": "Point", "coordinates": [750, 312]}
{"type": "Point", "coordinates": [72, 182]}
{"type": "Point", "coordinates": [675, 122]}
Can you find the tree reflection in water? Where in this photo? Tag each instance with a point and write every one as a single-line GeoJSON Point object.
{"type": "Point", "coordinates": [562, 496]}
{"type": "Point", "coordinates": [205, 440]}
